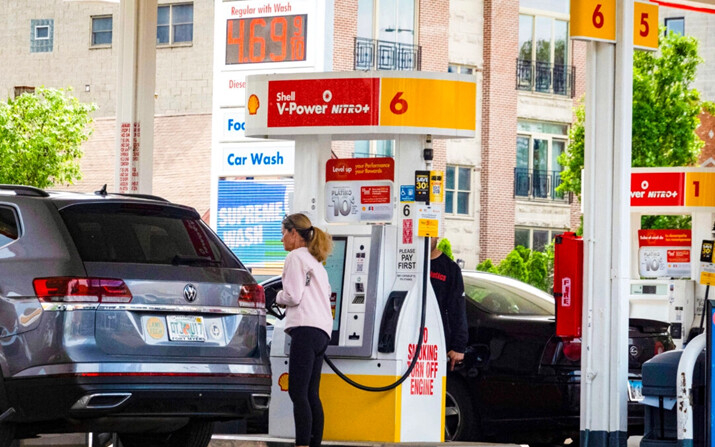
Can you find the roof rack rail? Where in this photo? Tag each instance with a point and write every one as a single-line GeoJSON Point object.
{"type": "Point", "coordinates": [140, 196]}
{"type": "Point", "coordinates": [22, 190]}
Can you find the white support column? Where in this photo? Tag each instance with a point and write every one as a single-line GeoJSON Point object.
{"type": "Point", "coordinates": [607, 227]}
{"type": "Point", "coordinates": [311, 155]}
{"type": "Point", "coordinates": [136, 81]}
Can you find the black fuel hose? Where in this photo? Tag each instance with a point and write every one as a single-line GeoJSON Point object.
{"type": "Point", "coordinates": [416, 355]}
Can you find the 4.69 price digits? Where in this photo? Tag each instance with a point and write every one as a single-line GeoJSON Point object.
{"type": "Point", "coordinates": [265, 39]}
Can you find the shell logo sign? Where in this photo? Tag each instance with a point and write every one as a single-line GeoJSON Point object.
{"type": "Point", "coordinates": [253, 104]}
{"type": "Point", "coordinates": [371, 103]}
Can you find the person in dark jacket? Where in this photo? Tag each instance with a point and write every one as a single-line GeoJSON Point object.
{"type": "Point", "coordinates": [448, 286]}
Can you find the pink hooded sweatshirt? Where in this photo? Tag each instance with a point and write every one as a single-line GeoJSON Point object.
{"type": "Point", "coordinates": [306, 292]}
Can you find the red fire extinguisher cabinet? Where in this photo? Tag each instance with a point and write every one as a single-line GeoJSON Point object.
{"type": "Point", "coordinates": [568, 284]}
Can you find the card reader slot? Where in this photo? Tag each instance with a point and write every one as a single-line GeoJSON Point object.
{"type": "Point", "coordinates": [388, 325]}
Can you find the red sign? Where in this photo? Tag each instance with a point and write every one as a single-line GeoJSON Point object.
{"type": "Point", "coordinates": [664, 238]}
{"type": "Point", "coordinates": [324, 102]}
{"type": "Point", "coordinates": [658, 189]}
{"type": "Point", "coordinates": [678, 256]}
{"type": "Point", "coordinates": [407, 231]}
{"type": "Point", "coordinates": [374, 194]}
{"type": "Point", "coordinates": [359, 169]}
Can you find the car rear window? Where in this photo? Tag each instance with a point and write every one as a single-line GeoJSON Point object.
{"type": "Point", "coordinates": [145, 234]}
{"type": "Point", "coordinates": [9, 228]}
{"type": "Point", "coordinates": [502, 300]}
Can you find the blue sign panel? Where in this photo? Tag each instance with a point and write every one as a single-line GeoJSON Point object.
{"type": "Point", "coordinates": [249, 218]}
{"type": "Point", "coordinates": [407, 193]}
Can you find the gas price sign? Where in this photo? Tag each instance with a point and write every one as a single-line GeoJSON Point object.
{"type": "Point", "coordinates": [266, 39]}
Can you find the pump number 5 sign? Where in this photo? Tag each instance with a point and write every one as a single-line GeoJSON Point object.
{"type": "Point", "coordinates": [645, 26]}
{"type": "Point", "coordinates": [596, 20]}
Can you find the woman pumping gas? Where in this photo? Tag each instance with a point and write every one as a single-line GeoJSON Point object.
{"type": "Point", "coordinates": [309, 321]}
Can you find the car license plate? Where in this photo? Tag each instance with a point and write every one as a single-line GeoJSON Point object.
{"type": "Point", "coordinates": [635, 390]}
{"type": "Point", "coordinates": [185, 328]}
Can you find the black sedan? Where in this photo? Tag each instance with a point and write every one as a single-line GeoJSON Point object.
{"type": "Point", "coordinates": [520, 382]}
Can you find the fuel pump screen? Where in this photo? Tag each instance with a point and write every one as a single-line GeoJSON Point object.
{"type": "Point", "coordinates": [335, 266]}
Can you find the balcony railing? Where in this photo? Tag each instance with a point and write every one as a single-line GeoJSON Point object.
{"type": "Point", "coordinates": [536, 184]}
{"type": "Point", "coordinates": [371, 54]}
{"type": "Point", "coordinates": [543, 77]}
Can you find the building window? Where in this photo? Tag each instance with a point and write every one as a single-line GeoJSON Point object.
{"type": "Point", "coordinates": [457, 190]}
{"type": "Point", "coordinates": [675, 25]}
{"type": "Point", "coordinates": [41, 35]}
{"type": "Point", "coordinates": [462, 69]}
{"type": "Point", "coordinates": [22, 89]}
{"type": "Point", "coordinates": [544, 48]}
{"type": "Point", "coordinates": [535, 238]}
{"type": "Point", "coordinates": [538, 172]}
{"type": "Point", "coordinates": [387, 20]}
{"type": "Point", "coordinates": [387, 36]}
{"type": "Point", "coordinates": [374, 148]}
{"type": "Point", "coordinates": [175, 24]}
{"type": "Point", "coordinates": [42, 32]}
{"type": "Point", "coordinates": [102, 31]}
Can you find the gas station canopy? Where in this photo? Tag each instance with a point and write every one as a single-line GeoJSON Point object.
{"type": "Point", "coordinates": [707, 6]}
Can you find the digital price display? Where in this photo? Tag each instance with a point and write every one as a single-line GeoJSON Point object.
{"type": "Point", "coordinates": [266, 39]}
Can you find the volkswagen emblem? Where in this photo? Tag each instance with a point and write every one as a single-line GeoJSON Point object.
{"type": "Point", "coordinates": [190, 293]}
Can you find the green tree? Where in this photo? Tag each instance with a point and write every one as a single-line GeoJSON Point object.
{"type": "Point", "coordinates": [665, 111]}
{"type": "Point", "coordinates": [41, 135]}
{"type": "Point", "coordinates": [514, 266]}
{"type": "Point", "coordinates": [446, 247]}
{"type": "Point", "coordinates": [487, 266]}
{"type": "Point", "coordinates": [532, 267]}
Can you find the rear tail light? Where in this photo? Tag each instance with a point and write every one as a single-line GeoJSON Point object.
{"type": "Point", "coordinates": [64, 289]}
{"type": "Point", "coordinates": [659, 348]}
{"type": "Point", "coordinates": [572, 349]}
{"type": "Point", "coordinates": [252, 295]}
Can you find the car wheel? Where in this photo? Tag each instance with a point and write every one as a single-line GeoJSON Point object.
{"type": "Point", "coordinates": [196, 433]}
{"type": "Point", "coordinates": [460, 420]}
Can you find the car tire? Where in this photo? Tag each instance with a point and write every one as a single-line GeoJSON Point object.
{"type": "Point", "coordinates": [461, 422]}
{"type": "Point", "coordinates": [196, 433]}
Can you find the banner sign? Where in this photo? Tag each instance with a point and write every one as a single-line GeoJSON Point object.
{"type": "Point", "coordinates": [664, 253]}
{"type": "Point", "coordinates": [657, 189]}
{"type": "Point", "coordinates": [359, 189]}
{"type": "Point", "coordinates": [369, 104]}
{"type": "Point", "coordinates": [688, 188]}
{"type": "Point", "coordinates": [360, 169]}
{"type": "Point", "coordinates": [249, 219]}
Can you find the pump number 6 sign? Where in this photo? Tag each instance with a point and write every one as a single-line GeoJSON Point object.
{"type": "Point", "coordinates": [593, 20]}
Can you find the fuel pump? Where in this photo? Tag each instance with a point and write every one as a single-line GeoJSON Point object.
{"type": "Point", "coordinates": [380, 212]}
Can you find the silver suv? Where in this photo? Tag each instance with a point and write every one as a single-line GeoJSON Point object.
{"type": "Point", "coordinates": [123, 314]}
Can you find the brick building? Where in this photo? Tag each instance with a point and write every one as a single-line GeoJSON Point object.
{"type": "Point", "coordinates": [499, 185]}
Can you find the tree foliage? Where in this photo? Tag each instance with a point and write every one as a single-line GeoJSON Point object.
{"type": "Point", "coordinates": [41, 134]}
{"type": "Point", "coordinates": [665, 111]}
{"type": "Point", "coordinates": [446, 247]}
{"type": "Point", "coordinates": [532, 267]}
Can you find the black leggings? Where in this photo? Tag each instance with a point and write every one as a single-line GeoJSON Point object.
{"type": "Point", "coordinates": [307, 346]}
